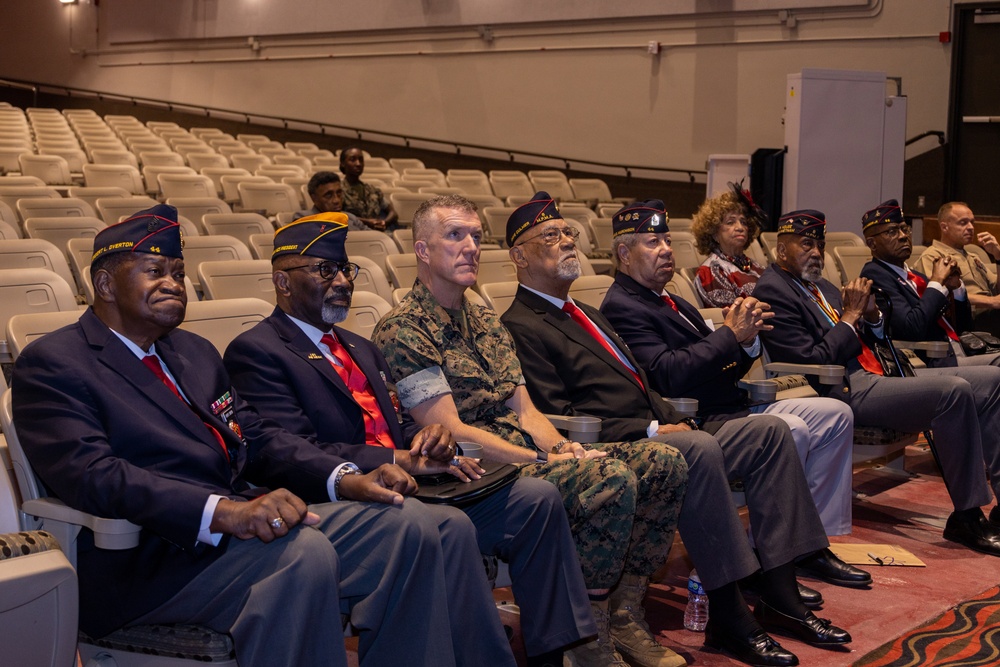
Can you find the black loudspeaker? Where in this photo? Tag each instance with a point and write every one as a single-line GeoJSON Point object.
{"type": "Point", "coordinates": [767, 173]}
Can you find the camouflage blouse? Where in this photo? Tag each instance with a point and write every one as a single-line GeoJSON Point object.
{"type": "Point", "coordinates": [468, 353]}
{"type": "Point", "coordinates": [364, 200]}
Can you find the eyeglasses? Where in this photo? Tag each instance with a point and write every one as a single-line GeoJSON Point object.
{"type": "Point", "coordinates": [895, 230]}
{"type": "Point", "coordinates": [554, 235]}
{"type": "Point", "coordinates": [328, 270]}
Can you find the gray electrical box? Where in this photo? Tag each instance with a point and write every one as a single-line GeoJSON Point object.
{"type": "Point", "coordinates": [845, 137]}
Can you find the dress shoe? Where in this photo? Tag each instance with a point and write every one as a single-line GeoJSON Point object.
{"type": "Point", "coordinates": [810, 629]}
{"type": "Point", "coordinates": [810, 597]}
{"type": "Point", "coordinates": [995, 516]}
{"type": "Point", "coordinates": [825, 565]}
{"type": "Point", "coordinates": [971, 529]}
{"type": "Point", "coordinates": [756, 649]}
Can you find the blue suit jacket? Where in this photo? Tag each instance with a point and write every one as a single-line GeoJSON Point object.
{"type": "Point", "coordinates": [107, 437]}
{"type": "Point", "coordinates": [915, 317]}
{"type": "Point", "coordinates": [802, 334]}
{"type": "Point", "coordinates": [681, 360]}
{"type": "Point", "coordinates": [282, 373]}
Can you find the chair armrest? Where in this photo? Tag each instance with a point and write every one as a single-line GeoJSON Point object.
{"type": "Point", "coordinates": [686, 406]}
{"type": "Point", "coordinates": [827, 373]}
{"type": "Point", "coordinates": [108, 533]}
{"type": "Point", "coordinates": [580, 429]}
{"type": "Point", "coordinates": [761, 391]}
{"type": "Point", "coordinates": [936, 349]}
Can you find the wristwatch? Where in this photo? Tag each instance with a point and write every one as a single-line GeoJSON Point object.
{"type": "Point", "coordinates": [346, 469]}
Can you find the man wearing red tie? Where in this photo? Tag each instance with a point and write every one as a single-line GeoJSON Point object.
{"type": "Point", "coordinates": [920, 303]}
{"type": "Point", "coordinates": [333, 388]}
{"type": "Point", "coordinates": [816, 323]}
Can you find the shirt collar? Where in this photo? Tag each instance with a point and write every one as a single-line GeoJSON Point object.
{"type": "Point", "coordinates": [135, 349]}
{"type": "Point", "coordinates": [902, 272]}
{"type": "Point", "coordinates": [311, 332]}
{"type": "Point", "coordinates": [554, 300]}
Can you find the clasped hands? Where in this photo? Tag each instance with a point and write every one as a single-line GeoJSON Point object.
{"type": "Point", "coordinates": [747, 317]}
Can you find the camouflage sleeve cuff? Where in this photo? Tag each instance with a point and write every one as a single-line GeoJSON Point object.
{"type": "Point", "coordinates": [422, 386]}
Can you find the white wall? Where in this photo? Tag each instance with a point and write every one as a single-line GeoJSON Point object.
{"type": "Point", "coordinates": [587, 89]}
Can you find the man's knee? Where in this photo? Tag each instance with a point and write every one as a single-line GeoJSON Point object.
{"type": "Point", "coordinates": [538, 493]}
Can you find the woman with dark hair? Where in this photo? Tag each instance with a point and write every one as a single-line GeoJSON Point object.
{"type": "Point", "coordinates": [723, 228]}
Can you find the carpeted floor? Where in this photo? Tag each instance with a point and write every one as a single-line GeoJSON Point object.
{"type": "Point", "coordinates": [905, 618]}
{"type": "Point", "coordinates": [908, 511]}
{"type": "Point", "coordinates": [967, 635]}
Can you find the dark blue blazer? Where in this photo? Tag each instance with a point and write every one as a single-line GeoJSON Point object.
{"type": "Point", "coordinates": [567, 372]}
{"type": "Point", "coordinates": [913, 317]}
{"type": "Point", "coordinates": [802, 334]}
{"type": "Point", "coordinates": [681, 360]}
{"type": "Point", "coordinates": [107, 437]}
{"type": "Point", "coordinates": [282, 373]}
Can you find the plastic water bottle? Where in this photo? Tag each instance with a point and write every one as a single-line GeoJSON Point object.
{"type": "Point", "coordinates": [696, 613]}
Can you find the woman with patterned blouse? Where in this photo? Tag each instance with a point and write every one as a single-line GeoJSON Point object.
{"type": "Point", "coordinates": [723, 228]}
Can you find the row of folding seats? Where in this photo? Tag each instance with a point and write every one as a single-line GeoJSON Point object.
{"type": "Point", "coordinates": [168, 148]}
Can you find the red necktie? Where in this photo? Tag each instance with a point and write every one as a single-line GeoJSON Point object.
{"type": "Point", "coordinates": [152, 362]}
{"type": "Point", "coordinates": [921, 284]}
{"type": "Point", "coordinates": [376, 428]}
{"type": "Point", "coordinates": [670, 302]}
{"type": "Point", "coordinates": [867, 358]}
{"type": "Point", "coordinates": [588, 326]}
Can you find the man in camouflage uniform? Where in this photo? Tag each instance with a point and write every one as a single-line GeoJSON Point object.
{"type": "Point", "coordinates": [363, 199]}
{"type": "Point", "coordinates": [454, 364]}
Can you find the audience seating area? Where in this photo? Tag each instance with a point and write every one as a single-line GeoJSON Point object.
{"type": "Point", "coordinates": [64, 176]}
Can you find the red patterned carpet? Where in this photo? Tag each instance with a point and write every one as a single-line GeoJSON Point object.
{"type": "Point", "coordinates": [966, 635]}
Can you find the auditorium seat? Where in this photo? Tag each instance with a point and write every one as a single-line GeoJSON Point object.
{"type": "Point", "coordinates": [372, 244]}
{"type": "Point", "coordinates": [367, 308]}
{"type": "Point", "coordinates": [262, 245]}
{"type": "Point", "coordinates": [216, 174]}
{"type": "Point", "coordinates": [161, 159]}
{"type": "Point", "coordinates": [52, 169]}
{"type": "Point", "coordinates": [557, 186]}
{"type": "Point", "coordinates": [231, 184]}
{"type": "Point", "coordinates": [59, 230]}
{"type": "Point", "coordinates": [507, 183]}
{"type": "Point", "coordinates": [498, 295]}
{"type": "Point", "coordinates": [471, 181]}
{"type": "Point", "coordinates": [401, 164]}
{"type": "Point", "coordinates": [591, 188]}
{"type": "Point", "coordinates": [92, 194]}
{"type": "Point", "coordinates": [850, 260]}
{"type": "Point", "coordinates": [223, 320]}
{"type": "Point", "coordinates": [211, 248]}
{"type": "Point", "coordinates": [238, 225]}
{"type": "Point", "coordinates": [269, 198]}
{"type": "Point", "coordinates": [67, 207]}
{"type": "Point", "coordinates": [249, 161]}
{"type": "Point", "coordinates": [401, 269]}
{"type": "Point", "coordinates": [111, 209]}
{"type": "Point", "coordinates": [30, 290]}
{"type": "Point", "coordinates": [495, 266]}
{"type": "Point", "coordinates": [199, 161]}
{"type": "Point", "coordinates": [185, 186]}
{"type": "Point", "coordinates": [114, 156]}
{"type": "Point", "coordinates": [122, 176]}
{"type": "Point", "coordinates": [151, 175]}
{"type": "Point", "coordinates": [236, 278]}
{"type": "Point", "coordinates": [11, 194]}
{"type": "Point", "coordinates": [686, 255]}
{"type": "Point", "coordinates": [142, 646]}
{"type": "Point", "coordinates": [371, 277]}
{"type": "Point", "coordinates": [406, 204]}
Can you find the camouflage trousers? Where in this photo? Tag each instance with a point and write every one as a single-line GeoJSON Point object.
{"type": "Point", "coordinates": [623, 508]}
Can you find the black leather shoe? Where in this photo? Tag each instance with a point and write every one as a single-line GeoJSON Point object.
{"type": "Point", "coordinates": [971, 529]}
{"type": "Point", "coordinates": [757, 649]}
{"type": "Point", "coordinates": [995, 516]}
{"type": "Point", "coordinates": [825, 565]}
{"type": "Point", "coordinates": [809, 596]}
{"type": "Point", "coordinates": [811, 630]}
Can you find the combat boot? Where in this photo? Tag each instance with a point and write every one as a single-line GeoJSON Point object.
{"type": "Point", "coordinates": [629, 630]}
{"type": "Point", "coordinates": [599, 652]}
